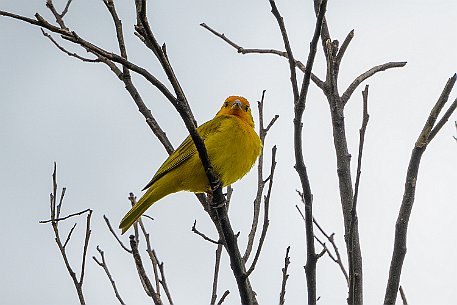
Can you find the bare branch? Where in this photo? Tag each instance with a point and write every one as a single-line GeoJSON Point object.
{"type": "Point", "coordinates": [86, 245]}
{"type": "Point", "coordinates": [142, 273]}
{"type": "Point", "coordinates": [355, 279]}
{"type": "Point", "coordinates": [68, 52]}
{"type": "Point", "coordinates": [104, 265]}
{"type": "Point", "coordinates": [226, 293]}
{"type": "Point", "coordinates": [403, 296]}
{"type": "Point", "coordinates": [194, 229]}
{"type": "Point", "coordinates": [331, 239]}
{"type": "Point", "coordinates": [65, 10]}
{"type": "Point", "coordinates": [347, 94]}
{"type": "Point", "coordinates": [260, 181]}
{"type": "Point", "coordinates": [290, 56]}
{"type": "Point", "coordinates": [62, 247]}
{"type": "Point", "coordinates": [266, 220]}
{"type": "Point", "coordinates": [401, 226]}
{"type": "Point", "coordinates": [163, 282]}
{"type": "Point", "coordinates": [300, 167]}
{"type": "Point", "coordinates": [58, 16]}
{"type": "Point", "coordinates": [443, 120]}
{"type": "Point", "coordinates": [69, 235]}
{"type": "Point", "coordinates": [285, 276]}
{"type": "Point", "coordinates": [242, 50]}
{"type": "Point", "coordinates": [344, 46]}
{"type": "Point", "coordinates": [216, 274]}
{"type": "Point", "coordinates": [115, 235]}
{"type": "Point", "coordinates": [66, 217]}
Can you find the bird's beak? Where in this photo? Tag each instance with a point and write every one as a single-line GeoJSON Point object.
{"type": "Point", "coordinates": [237, 104]}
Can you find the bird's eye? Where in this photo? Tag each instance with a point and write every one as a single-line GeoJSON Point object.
{"type": "Point", "coordinates": [246, 108]}
{"type": "Point", "coordinates": [226, 104]}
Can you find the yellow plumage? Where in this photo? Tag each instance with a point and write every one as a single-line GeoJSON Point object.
{"type": "Point", "coordinates": [232, 144]}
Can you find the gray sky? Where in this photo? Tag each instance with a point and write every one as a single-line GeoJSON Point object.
{"type": "Point", "coordinates": [55, 108]}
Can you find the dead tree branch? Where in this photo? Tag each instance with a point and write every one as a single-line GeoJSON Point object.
{"type": "Point", "coordinates": [260, 181]}
{"type": "Point", "coordinates": [285, 276]}
{"type": "Point", "coordinates": [403, 296]}
{"type": "Point", "coordinates": [216, 274]}
{"type": "Point", "coordinates": [142, 273]}
{"type": "Point", "coordinates": [55, 220]}
{"type": "Point", "coordinates": [104, 265]}
{"type": "Point", "coordinates": [266, 220]}
{"type": "Point", "coordinates": [331, 238]}
{"type": "Point", "coordinates": [355, 280]}
{"type": "Point", "coordinates": [194, 229]}
{"type": "Point", "coordinates": [242, 50]}
{"type": "Point", "coordinates": [299, 107]}
{"type": "Point", "coordinates": [401, 226]}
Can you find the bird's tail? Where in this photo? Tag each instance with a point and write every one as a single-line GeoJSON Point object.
{"type": "Point", "coordinates": [148, 199]}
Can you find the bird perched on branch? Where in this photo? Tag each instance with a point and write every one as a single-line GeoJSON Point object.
{"type": "Point", "coordinates": [232, 144]}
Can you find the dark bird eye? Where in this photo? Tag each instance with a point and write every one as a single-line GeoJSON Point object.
{"type": "Point", "coordinates": [226, 104]}
{"type": "Point", "coordinates": [247, 108]}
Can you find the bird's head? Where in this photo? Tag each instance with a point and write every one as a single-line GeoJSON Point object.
{"type": "Point", "coordinates": [237, 106]}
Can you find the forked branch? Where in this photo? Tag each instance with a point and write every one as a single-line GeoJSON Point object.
{"type": "Point", "coordinates": [55, 221]}
{"type": "Point", "coordinates": [429, 130]}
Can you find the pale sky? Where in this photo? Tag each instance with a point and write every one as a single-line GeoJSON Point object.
{"type": "Point", "coordinates": [56, 108]}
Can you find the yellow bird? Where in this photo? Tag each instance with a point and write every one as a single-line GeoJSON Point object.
{"type": "Point", "coordinates": [232, 144]}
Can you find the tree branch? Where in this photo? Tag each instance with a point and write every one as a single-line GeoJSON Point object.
{"type": "Point", "coordinates": [404, 214]}
{"type": "Point", "coordinates": [142, 273]}
{"type": "Point", "coordinates": [347, 94]}
{"type": "Point", "coordinates": [266, 220]}
{"type": "Point", "coordinates": [242, 50]}
{"type": "Point", "coordinates": [194, 229]}
{"type": "Point", "coordinates": [55, 212]}
{"type": "Point", "coordinates": [285, 276]}
{"type": "Point", "coordinates": [260, 181]}
{"type": "Point", "coordinates": [290, 56]}
{"type": "Point", "coordinates": [331, 239]}
{"type": "Point", "coordinates": [300, 167]}
{"type": "Point", "coordinates": [355, 279]}
{"type": "Point", "coordinates": [104, 265]}
{"type": "Point", "coordinates": [216, 274]}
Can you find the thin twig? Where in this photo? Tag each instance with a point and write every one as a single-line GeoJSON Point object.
{"type": "Point", "coordinates": [69, 235]}
{"type": "Point", "coordinates": [351, 88]}
{"type": "Point", "coordinates": [216, 274]}
{"type": "Point", "coordinates": [66, 217]}
{"type": "Point", "coordinates": [331, 239]}
{"type": "Point", "coordinates": [285, 276]}
{"type": "Point", "coordinates": [344, 46]}
{"type": "Point", "coordinates": [403, 296]}
{"type": "Point", "coordinates": [65, 10]}
{"type": "Point", "coordinates": [86, 245]}
{"type": "Point", "coordinates": [97, 60]}
{"type": "Point", "coordinates": [266, 220]}
{"type": "Point", "coordinates": [260, 181]}
{"type": "Point", "coordinates": [194, 229]}
{"type": "Point", "coordinates": [443, 120]}
{"type": "Point", "coordinates": [300, 167]}
{"type": "Point", "coordinates": [290, 56]}
{"type": "Point", "coordinates": [78, 284]}
{"type": "Point", "coordinates": [58, 16]}
{"type": "Point", "coordinates": [154, 260]}
{"type": "Point", "coordinates": [242, 50]}
{"type": "Point", "coordinates": [354, 276]}
{"type": "Point", "coordinates": [115, 235]}
{"type": "Point", "coordinates": [104, 265]}
{"type": "Point", "coordinates": [163, 282]}
{"type": "Point", "coordinates": [224, 295]}
{"type": "Point", "coordinates": [142, 273]}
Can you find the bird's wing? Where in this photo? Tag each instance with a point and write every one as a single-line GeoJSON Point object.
{"type": "Point", "coordinates": [187, 149]}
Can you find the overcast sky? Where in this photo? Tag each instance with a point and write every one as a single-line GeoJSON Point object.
{"type": "Point", "coordinates": [56, 108]}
